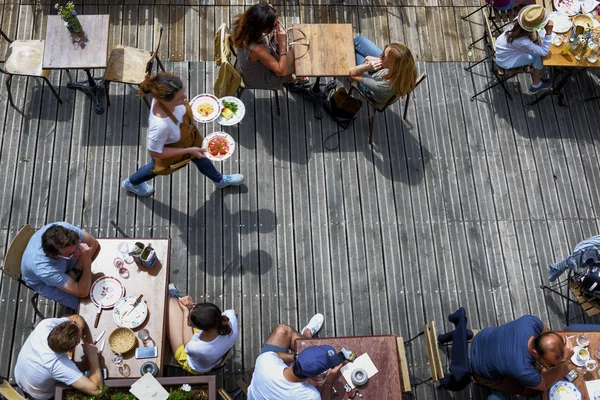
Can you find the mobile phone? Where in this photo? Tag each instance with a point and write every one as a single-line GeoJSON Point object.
{"type": "Point", "coordinates": [146, 352]}
{"type": "Point", "coordinates": [104, 373]}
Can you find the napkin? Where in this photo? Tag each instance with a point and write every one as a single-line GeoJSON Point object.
{"type": "Point", "coordinates": [364, 362]}
{"type": "Point", "coordinates": [148, 388]}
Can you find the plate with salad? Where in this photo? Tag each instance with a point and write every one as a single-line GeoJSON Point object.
{"type": "Point", "coordinates": [232, 112]}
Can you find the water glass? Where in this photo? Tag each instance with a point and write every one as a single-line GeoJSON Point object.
{"type": "Point", "coordinates": [597, 353]}
{"type": "Point", "coordinates": [144, 336]}
{"type": "Point", "coordinates": [591, 365]}
{"type": "Point", "coordinates": [593, 56]}
{"type": "Point", "coordinates": [583, 340]}
{"type": "Point", "coordinates": [124, 249]}
{"type": "Point", "coordinates": [120, 362]}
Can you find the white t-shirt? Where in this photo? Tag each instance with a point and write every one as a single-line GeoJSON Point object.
{"type": "Point", "coordinates": [162, 131]}
{"type": "Point", "coordinates": [204, 356]}
{"type": "Point", "coordinates": [38, 367]}
{"type": "Point", "coordinates": [268, 382]}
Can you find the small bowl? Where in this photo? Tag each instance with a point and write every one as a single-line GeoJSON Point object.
{"type": "Point", "coordinates": [149, 366]}
{"type": "Point", "coordinates": [121, 340]}
{"type": "Point", "coordinates": [583, 20]}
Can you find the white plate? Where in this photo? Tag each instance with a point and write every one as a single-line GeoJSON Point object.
{"type": "Point", "coordinates": [563, 390]}
{"type": "Point", "coordinates": [205, 98]}
{"type": "Point", "coordinates": [574, 359]}
{"type": "Point", "coordinates": [569, 7]}
{"type": "Point", "coordinates": [562, 22]}
{"type": "Point", "coordinates": [106, 292]}
{"type": "Point", "coordinates": [135, 318]}
{"type": "Point", "coordinates": [589, 5]}
{"type": "Point", "coordinates": [237, 117]}
{"type": "Point", "coordinates": [230, 143]}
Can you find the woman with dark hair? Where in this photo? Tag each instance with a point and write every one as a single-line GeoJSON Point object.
{"type": "Point", "coordinates": [383, 73]}
{"type": "Point", "coordinates": [520, 44]}
{"type": "Point", "coordinates": [173, 139]}
{"type": "Point", "coordinates": [200, 334]}
{"type": "Point", "coordinates": [258, 64]}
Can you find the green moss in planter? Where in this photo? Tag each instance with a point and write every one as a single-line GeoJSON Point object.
{"type": "Point", "coordinates": [197, 392]}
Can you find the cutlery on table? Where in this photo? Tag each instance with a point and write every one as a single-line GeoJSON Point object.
{"type": "Point", "coordinates": [98, 312]}
{"type": "Point", "coordinates": [135, 304]}
{"type": "Point", "coordinates": [99, 337]}
{"type": "Point", "coordinates": [101, 348]}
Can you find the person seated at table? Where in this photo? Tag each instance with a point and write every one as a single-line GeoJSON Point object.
{"type": "Point", "coordinates": [259, 65]}
{"type": "Point", "coordinates": [382, 74]}
{"type": "Point", "coordinates": [43, 359]}
{"type": "Point", "coordinates": [173, 138]}
{"type": "Point", "coordinates": [520, 44]}
{"type": "Point", "coordinates": [519, 357]}
{"type": "Point", "coordinates": [199, 333]}
{"type": "Point", "coordinates": [280, 374]}
{"type": "Point", "coordinates": [57, 263]}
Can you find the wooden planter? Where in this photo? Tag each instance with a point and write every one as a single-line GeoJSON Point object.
{"type": "Point", "coordinates": [175, 382]}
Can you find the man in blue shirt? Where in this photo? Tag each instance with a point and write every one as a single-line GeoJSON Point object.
{"type": "Point", "coordinates": [57, 263]}
{"type": "Point", "coordinates": [519, 357]}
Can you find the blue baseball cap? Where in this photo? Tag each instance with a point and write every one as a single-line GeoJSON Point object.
{"type": "Point", "coordinates": [315, 360]}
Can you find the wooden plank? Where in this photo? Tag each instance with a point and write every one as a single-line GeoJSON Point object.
{"type": "Point", "coordinates": [410, 34]}
{"type": "Point", "coordinates": [177, 33]}
{"type": "Point", "coordinates": [403, 365]}
{"type": "Point", "coordinates": [435, 30]}
{"type": "Point", "coordinates": [191, 50]}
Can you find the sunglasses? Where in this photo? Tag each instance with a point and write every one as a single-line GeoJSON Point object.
{"type": "Point", "coordinates": [382, 56]}
{"type": "Point", "coordinates": [70, 256]}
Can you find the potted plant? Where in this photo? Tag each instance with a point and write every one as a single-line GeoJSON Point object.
{"type": "Point", "coordinates": [69, 16]}
{"type": "Point", "coordinates": [201, 387]}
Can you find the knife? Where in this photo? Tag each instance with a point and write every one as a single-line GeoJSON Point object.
{"type": "Point", "coordinates": [137, 301]}
{"type": "Point", "coordinates": [99, 336]}
{"type": "Point", "coordinates": [98, 312]}
{"type": "Point", "coordinates": [101, 348]}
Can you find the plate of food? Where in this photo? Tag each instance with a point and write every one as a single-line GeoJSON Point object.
{"type": "Point", "coordinates": [568, 7]}
{"type": "Point", "coordinates": [127, 316]}
{"type": "Point", "coordinates": [232, 112]}
{"type": "Point", "coordinates": [106, 292]}
{"type": "Point", "coordinates": [563, 390]}
{"type": "Point", "coordinates": [219, 146]}
{"type": "Point", "coordinates": [562, 22]}
{"type": "Point", "coordinates": [205, 108]}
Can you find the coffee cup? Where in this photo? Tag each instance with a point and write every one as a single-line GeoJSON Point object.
{"type": "Point", "coordinates": [583, 355]}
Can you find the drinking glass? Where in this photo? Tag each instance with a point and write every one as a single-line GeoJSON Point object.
{"type": "Point", "coordinates": [593, 56]}
{"type": "Point", "coordinates": [120, 362]}
{"type": "Point", "coordinates": [582, 340]}
{"type": "Point", "coordinates": [597, 353]}
{"type": "Point", "coordinates": [557, 40]}
{"type": "Point", "coordinates": [591, 365]}
{"type": "Point", "coordinates": [124, 249]}
{"type": "Point", "coordinates": [144, 336]}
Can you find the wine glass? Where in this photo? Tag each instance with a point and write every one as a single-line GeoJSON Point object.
{"type": "Point", "coordinates": [591, 365]}
{"type": "Point", "coordinates": [144, 336]}
{"type": "Point", "coordinates": [120, 362]}
{"type": "Point", "coordinates": [583, 340]}
{"type": "Point", "coordinates": [124, 249]}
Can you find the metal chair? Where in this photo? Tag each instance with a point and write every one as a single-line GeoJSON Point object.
{"type": "Point", "coordinates": [381, 108]}
{"type": "Point", "coordinates": [130, 65]}
{"type": "Point", "coordinates": [24, 57]}
{"type": "Point", "coordinates": [12, 263]}
{"type": "Point", "coordinates": [8, 392]}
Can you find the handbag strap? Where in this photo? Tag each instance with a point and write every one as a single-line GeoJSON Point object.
{"type": "Point", "coordinates": [302, 41]}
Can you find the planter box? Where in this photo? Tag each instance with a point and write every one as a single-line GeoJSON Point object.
{"type": "Point", "coordinates": [171, 382]}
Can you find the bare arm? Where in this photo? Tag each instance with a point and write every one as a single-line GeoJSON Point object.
{"type": "Point", "coordinates": [93, 384]}
{"type": "Point", "coordinates": [188, 331]}
{"type": "Point", "coordinates": [281, 67]}
{"type": "Point", "coordinates": [92, 243]}
{"type": "Point", "coordinates": [356, 73]}
{"type": "Point", "coordinates": [81, 288]}
{"type": "Point", "coordinates": [287, 358]}
{"type": "Point", "coordinates": [325, 388]}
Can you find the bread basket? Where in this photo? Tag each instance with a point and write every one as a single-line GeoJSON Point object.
{"type": "Point", "coordinates": [121, 340]}
{"type": "Point", "coordinates": [583, 20]}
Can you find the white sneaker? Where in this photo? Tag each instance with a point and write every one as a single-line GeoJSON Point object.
{"type": "Point", "coordinates": [314, 325]}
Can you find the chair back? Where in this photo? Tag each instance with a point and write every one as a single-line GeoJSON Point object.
{"type": "Point", "coordinates": [14, 254]}
{"type": "Point", "coordinates": [155, 52]}
{"type": "Point", "coordinates": [222, 45]}
{"type": "Point", "coordinates": [9, 40]}
{"type": "Point", "coordinates": [490, 36]}
{"type": "Point", "coordinates": [8, 392]}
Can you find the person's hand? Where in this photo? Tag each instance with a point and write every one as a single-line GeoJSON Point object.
{"type": "Point", "coordinates": [197, 152]}
{"type": "Point", "coordinates": [89, 349]}
{"type": "Point", "coordinates": [569, 349]}
{"type": "Point", "coordinates": [186, 301]}
{"type": "Point", "coordinates": [85, 251]}
{"type": "Point", "coordinates": [549, 27]}
{"type": "Point", "coordinates": [374, 62]}
{"type": "Point", "coordinates": [281, 36]}
{"type": "Point", "coordinates": [333, 373]}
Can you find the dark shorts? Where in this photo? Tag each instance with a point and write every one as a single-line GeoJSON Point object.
{"type": "Point", "coordinates": [271, 347]}
{"type": "Point", "coordinates": [506, 385]}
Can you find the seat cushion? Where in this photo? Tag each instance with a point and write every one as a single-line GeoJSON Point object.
{"type": "Point", "coordinates": [24, 57]}
{"type": "Point", "coordinates": [127, 65]}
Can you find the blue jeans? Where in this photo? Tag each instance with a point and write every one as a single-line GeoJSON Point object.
{"type": "Point", "coordinates": [204, 165]}
{"type": "Point", "coordinates": [526, 59]}
{"type": "Point", "coordinates": [363, 47]}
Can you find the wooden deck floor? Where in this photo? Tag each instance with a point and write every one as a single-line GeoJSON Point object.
{"type": "Point", "coordinates": [464, 204]}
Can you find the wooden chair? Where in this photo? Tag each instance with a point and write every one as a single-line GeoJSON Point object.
{"type": "Point", "coordinates": [501, 75]}
{"type": "Point", "coordinates": [130, 65]}
{"type": "Point", "coordinates": [12, 263]}
{"type": "Point", "coordinates": [244, 382]}
{"type": "Point", "coordinates": [403, 365]}
{"type": "Point", "coordinates": [8, 392]}
{"type": "Point", "coordinates": [590, 304]}
{"type": "Point", "coordinates": [24, 57]}
{"type": "Point", "coordinates": [380, 108]}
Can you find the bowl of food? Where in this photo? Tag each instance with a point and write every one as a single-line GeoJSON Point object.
{"type": "Point", "coordinates": [232, 112]}
{"type": "Point", "coordinates": [121, 340]}
{"type": "Point", "coordinates": [563, 390]}
{"type": "Point", "coordinates": [219, 146]}
{"type": "Point", "coordinates": [584, 21]}
{"type": "Point", "coordinates": [205, 108]}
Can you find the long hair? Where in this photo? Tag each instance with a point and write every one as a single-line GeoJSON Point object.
{"type": "Point", "coordinates": [207, 316]}
{"type": "Point", "coordinates": [402, 73]}
{"type": "Point", "coordinates": [518, 32]}
{"type": "Point", "coordinates": [162, 86]}
{"type": "Point", "coordinates": [58, 237]}
{"type": "Point", "coordinates": [249, 27]}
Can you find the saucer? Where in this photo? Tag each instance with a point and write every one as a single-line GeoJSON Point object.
{"type": "Point", "coordinates": [574, 359]}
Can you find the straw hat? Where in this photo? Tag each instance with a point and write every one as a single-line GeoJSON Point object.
{"type": "Point", "coordinates": [533, 17]}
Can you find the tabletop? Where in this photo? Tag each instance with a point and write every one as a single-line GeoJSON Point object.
{"type": "Point", "coordinates": [152, 283]}
{"type": "Point", "coordinates": [594, 338]}
{"type": "Point", "coordinates": [330, 53]}
{"type": "Point", "coordinates": [87, 49]}
{"type": "Point", "coordinates": [556, 59]}
{"type": "Point", "coordinates": [383, 351]}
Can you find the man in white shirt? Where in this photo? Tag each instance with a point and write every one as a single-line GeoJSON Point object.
{"type": "Point", "coordinates": [279, 374]}
{"type": "Point", "coordinates": [43, 359]}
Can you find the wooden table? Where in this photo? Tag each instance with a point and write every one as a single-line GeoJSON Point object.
{"type": "Point", "coordinates": [594, 344]}
{"type": "Point", "coordinates": [383, 351]}
{"type": "Point", "coordinates": [330, 53]}
{"type": "Point", "coordinates": [85, 50]}
{"type": "Point", "coordinates": [152, 283]}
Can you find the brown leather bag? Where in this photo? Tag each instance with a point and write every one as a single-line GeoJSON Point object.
{"type": "Point", "coordinates": [190, 137]}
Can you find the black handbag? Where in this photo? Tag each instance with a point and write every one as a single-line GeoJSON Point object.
{"type": "Point", "coordinates": [342, 107]}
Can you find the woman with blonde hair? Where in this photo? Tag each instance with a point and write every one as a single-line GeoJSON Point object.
{"type": "Point", "coordinates": [173, 138]}
{"type": "Point", "coordinates": [382, 74]}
